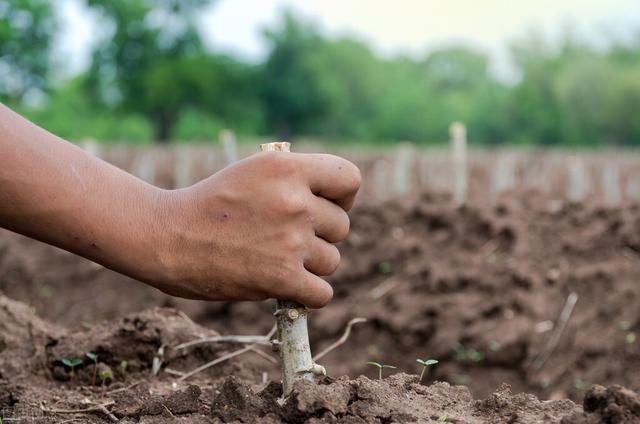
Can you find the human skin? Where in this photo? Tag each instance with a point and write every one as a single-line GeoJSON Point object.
{"type": "Point", "coordinates": [262, 228]}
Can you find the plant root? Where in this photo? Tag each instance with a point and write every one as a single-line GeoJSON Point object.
{"type": "Point", "coordinates": [341, 340]}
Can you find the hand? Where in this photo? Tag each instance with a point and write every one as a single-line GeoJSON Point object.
{"type": "Point", "coordinates": [262, 228]}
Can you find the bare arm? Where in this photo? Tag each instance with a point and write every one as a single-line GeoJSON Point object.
{"type": "Point", "coordinates": [261, 228]}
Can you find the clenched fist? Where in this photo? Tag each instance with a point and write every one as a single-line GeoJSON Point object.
{"type": "Point", "coordinates": [262, 228]}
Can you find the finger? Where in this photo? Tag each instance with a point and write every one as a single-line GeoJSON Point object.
{"type": "Point", "coordinates": [333, 178]}
{"type": "Point", "coordinates": [330, 221]}
{"type": "Point", "coordinates": [304, 287]}
{"type": "Point", "coordinates": [313, 291]}
{"type": "Point", "coordinates": [323, 258]}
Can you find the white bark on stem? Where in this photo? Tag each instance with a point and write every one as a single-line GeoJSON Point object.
{"type": "Point", "coordinates": [292, 335]}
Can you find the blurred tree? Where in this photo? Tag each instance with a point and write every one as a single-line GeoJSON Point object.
{"type": "Point", "coordinates": [26, 29]}
{"type": "Point", "coordinates": [152, 61]}
{"type": "Point", "coordinates": [292, 85]}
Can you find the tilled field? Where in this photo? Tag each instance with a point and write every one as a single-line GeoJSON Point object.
{"type": "Point", "coordinates": [483, 290]}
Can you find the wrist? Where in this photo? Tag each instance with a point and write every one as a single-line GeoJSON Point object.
{"type": "Point", "coordinates": [159, 264]}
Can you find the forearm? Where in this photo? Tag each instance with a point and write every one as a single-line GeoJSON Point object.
{"type": "Point", "coordinates": [55, 192]}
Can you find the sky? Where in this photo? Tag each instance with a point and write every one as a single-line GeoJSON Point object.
{"type": "Point", "coordinates": [391, 28]}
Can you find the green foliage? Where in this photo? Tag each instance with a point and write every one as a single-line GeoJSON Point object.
{"type": "Point", "coordinates": [26, 31]}
{"type": "Point", "coordinates": [153, 62]}
{"type": "Point", "coordinates": [442, 419]}
{"type": "Point", "coordinates": [93, 357]}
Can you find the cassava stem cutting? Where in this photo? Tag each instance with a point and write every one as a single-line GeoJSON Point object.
{"type": "Point", "coordinates": [292, 340]}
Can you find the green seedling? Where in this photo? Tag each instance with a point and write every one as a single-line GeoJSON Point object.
{"type": "Point", "coordinates": [106, 375]}
{"type": "Point", "coordinates": [380, 367]}
{"type": "Point", "coordinates": [579, 384]}
{"type": "Point", "coordinates": [94, 358]}
{"type": "Point", "coordinates": [495, 346]}
{"type": "Point", "coordinates": [123, 369]}
{"type": "Point", "coordinates": [385, 267]}
{"type": "Point", "coordinates": [463, 354]}
{"type": "Point", "coordinates": [630, 338]}
{"type": "Point", "coordinates": [442, 419]}
{"type": "Point", "coordinates": [72, 363]}
{"type": "Point", "coordinates": [425, 363]}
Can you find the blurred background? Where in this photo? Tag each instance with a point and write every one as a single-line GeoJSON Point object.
{"type": "Point", "coordinates": [536, 72]}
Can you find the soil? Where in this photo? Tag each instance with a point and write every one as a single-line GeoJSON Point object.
{"type": "Point", "coordinates": [480, 288]}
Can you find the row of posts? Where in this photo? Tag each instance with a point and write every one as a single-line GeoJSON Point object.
{"type": "Point", "coordinates": [451, 176]}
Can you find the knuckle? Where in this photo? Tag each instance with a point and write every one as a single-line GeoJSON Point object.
{"type": "Point", "coordinates": [292, 203]}
{"type": "Point", "coordinates": [294, 243]}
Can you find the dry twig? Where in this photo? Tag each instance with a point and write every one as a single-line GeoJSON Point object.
{"type": "Point", "coordinates": [567, 310]}
{"type": "Point", "coordinates": [383, 288]}
{"type": "Point", "coordinates": [227, 339]}
{"type": "Point", "coordinates": [123, 389]}
{"type": "Point", "coordinates": [97, 407]}
{"type": "Point", "coordinates": [225, 357]}
{"type": "Point", "coordinates": [341, 340]}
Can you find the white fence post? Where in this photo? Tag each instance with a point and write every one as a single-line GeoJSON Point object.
{"type": "Point", "coordinates": [182, 166]}
{"type": "Point", "coordinates": [92, 146]}
{"type": "Point", "coordinates": [611, 184]}
{"type": "Point", "coordinates": [458, 135]}
{"type": "Point", "coordinates": [229, 146]}
{"type": "Point", "coordinates": [403, 169]}
{"type": "Point", "coordinates": [578, 186]}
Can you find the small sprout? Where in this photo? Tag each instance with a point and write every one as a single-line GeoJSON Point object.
{"type": "Point", "coordinates": [123, 369]}
{"type": "Point", "coordinates": [380, 367]}
{"type": "Point", "coordinates": [475, 356]}
{"type": "Point", "coordinates": [630, 338]}
{"type": "Point", "coordinates": [385, 267]}
{"type": "Point", "coordinates": [425, 363]}
{"type": "Point", "coordinates": [442, 419]}
{"type": "Point", "coordinates": [106, 375]}
{"type": "Point", "coordinates": [464, 354]}
{"type": "Point", "coordinates": [72, 363]}
{"type": "Point", "coordinates": [94, 358]}
{"type": "Point", "coordinates": [494, 346]}
{"type": "Point", "coordinates": [579, 384]}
